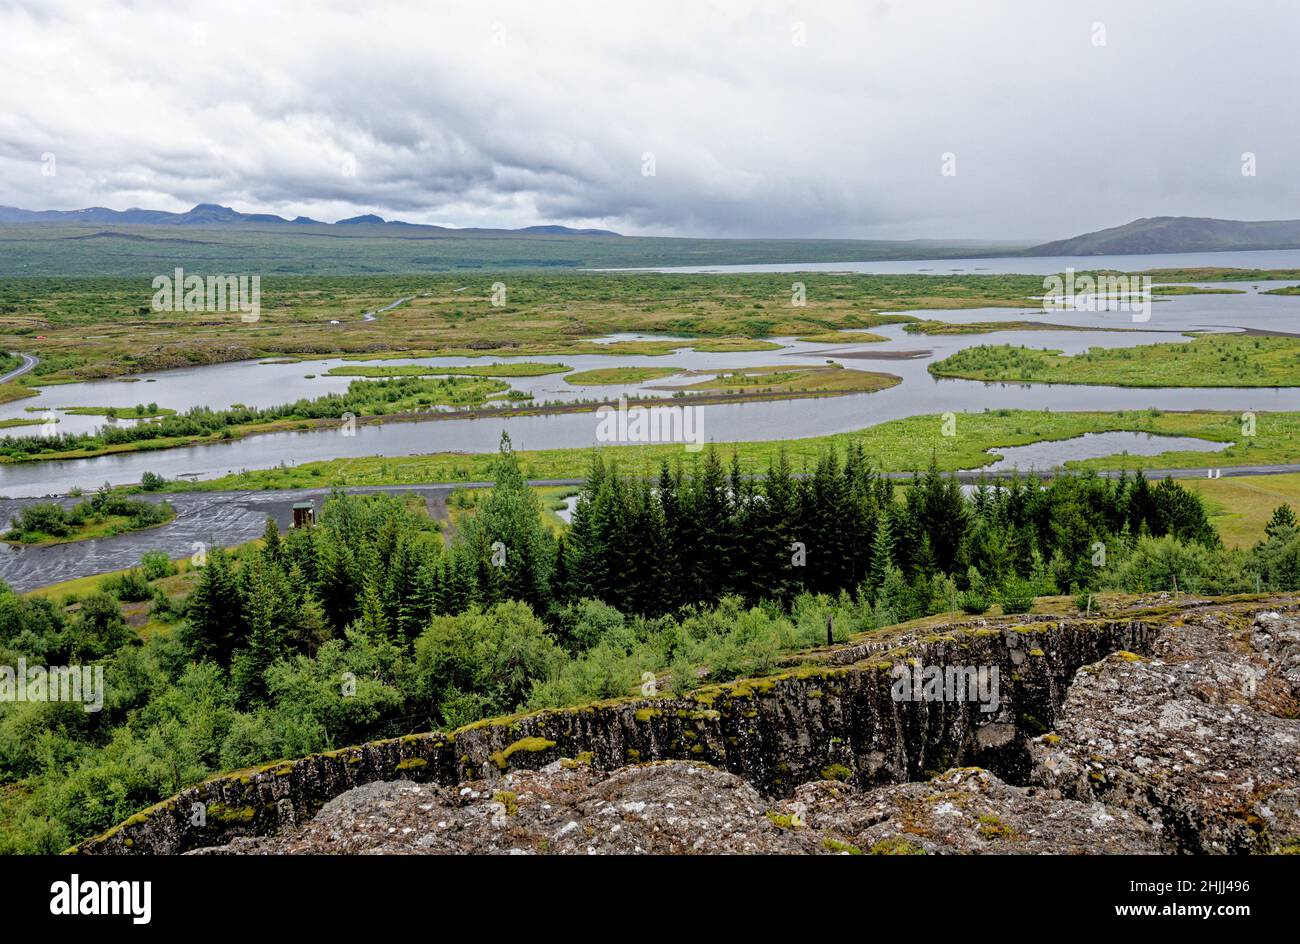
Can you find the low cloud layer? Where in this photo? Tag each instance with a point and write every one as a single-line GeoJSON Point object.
{"type": "Point", "coordinates": [759, 118]}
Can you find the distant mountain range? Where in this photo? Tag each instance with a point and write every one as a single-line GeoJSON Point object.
{"type": "Point", "coordinates": [1157, 234]}
{"type": "Point", "coordinates": [1177, 234]}
{"type": "Point", "coordinates": [210, 213]}
{"type": "Point", "coordinates": [120, 243]}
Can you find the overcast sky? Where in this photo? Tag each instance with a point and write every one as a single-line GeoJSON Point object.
{"type": "Point", "coordinates": [821, 118]}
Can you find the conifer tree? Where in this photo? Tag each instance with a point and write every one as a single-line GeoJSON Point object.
{"type": "Point", "coordinates": [649, 572]}
{"type": "Point", "coordinates": [508, 536]}
{"type": "Point", "coordinates": [675, 555]}
{"type": "Point", "coordinates": [458, 588]}
{"type": "Point", "coordinates": [373, 619]}
{"type": "Point", "coordinates": [882, 555]}
{"type": "Point", "coordinates": [776, 567]}
{"type": "Point", "coordinates": [1283, 518]}
{"type": "Point", "coordinates": [339, 582]}
{"type": "Point", "coordinates": [402, 604]}
{"type": "Point", "coordinates": [266, 638]}
{"type": "Point", "coordinates": [711, 510]}
{"type": "Point", "coordinates": [271, 541]}
{"type": "Point", "coordinates": [215, 624]}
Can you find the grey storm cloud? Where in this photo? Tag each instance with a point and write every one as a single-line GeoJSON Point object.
{"type": "Point", "coordinates": [827, 118]}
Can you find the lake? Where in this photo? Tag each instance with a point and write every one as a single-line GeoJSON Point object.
{"type": "Point", "coordinates": [1019, 265]}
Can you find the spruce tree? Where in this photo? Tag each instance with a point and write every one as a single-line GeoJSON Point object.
{"type": "Point", "coordinates": [373, 619]}
{"type": "Point", "coordinates": [508, 535]}
{"type": "Point", "coordinates": [776, 568]}
{"type": "Point", "coordinates": [402, 604]}
{"type": "Point", "coordinates": [266, 639]}
{"type": "Point", "coordinates": [882, 555]}
{"type": "Point", "coordinates": [711, 508]}
{"type": "Point", "coordinates": [675, 555]}
{"type": "Point", "coordinates": [650, 573]}
{"type": "Point", "coordinates": [215, 624]}
{"type": "Point", "coordinates": [1283, 518]}
{"type": "Point", "coordinates": [271, 540]}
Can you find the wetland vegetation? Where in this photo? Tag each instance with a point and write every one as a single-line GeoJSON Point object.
{"type": "Point", "coordinates": [101, 515]}
{"type": "Point", "coordinates": [1207, 361]}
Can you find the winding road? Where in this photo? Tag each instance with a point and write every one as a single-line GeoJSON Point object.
{"type": "Point", "coordinates": [374, 315]}
{"type": "Point", "coordinates": [29, 361]}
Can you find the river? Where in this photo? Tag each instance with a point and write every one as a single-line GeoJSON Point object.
{"type": "Point", "coordinates": [903, 354]}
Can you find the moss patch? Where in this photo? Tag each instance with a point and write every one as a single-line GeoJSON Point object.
{"type": "Point", "coordinates": [836, 772]}
{"type": "Point", "coordinates": [530, 745]}
{"type": "Point", "coordinates": [896, 847]}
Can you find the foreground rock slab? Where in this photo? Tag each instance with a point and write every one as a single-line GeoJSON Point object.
{"type": "Point", "coordinates": [668, 808]}
{"type": "Point", "coordinates": [677, 807]}
{"type": "Point", "coordinates": [971, 812]}
{"type": "Point", "coordinates": [1200, 737]}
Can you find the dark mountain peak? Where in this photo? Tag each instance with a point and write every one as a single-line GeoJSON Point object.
{"type": "Point", "coordinates": [215, 213]}
{"type": "Point", "coordinates": [555, 230]}
{"type": "Point", "coordinates": [1160, 234]}
{"type": "Point", "coordinates": [365, 218]}
{"type": "Point", "coordinates": [212, 213]}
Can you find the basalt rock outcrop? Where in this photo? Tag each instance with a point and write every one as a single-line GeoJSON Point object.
{"type": "Point", "coordinates": [1179, 734]}
{"type": "Point", "coordinates": [1200, 736]}
{"type": "Point", "coordinates": [680, 807]}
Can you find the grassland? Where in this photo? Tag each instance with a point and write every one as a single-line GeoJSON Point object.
{"type": "Point", "coordinates": [1208, 361]}
{"type": "Point", "coordinates": [843, 337]}
{"type": "Point", "coordinates": [1194, 290]}
{"type": "Point", "coordinates": [138, 412]}
{"type": "Point", "coordinates": [895, 446]}
{"type": "Point", "coordinates": [13, 391]}
{"type": "Point", "coordinates": [103, 527]}
{"type": "Point", "coordinates": [93, 328]}
{"type": "Point", "coordinates": [518, 369]}
{"type": "Point", "coordinates": [658, 347]}
{"type": "Point", "coordinates": [1219, 274]}
{"type": "Point", "coordinates": [734, 345]}
{"type": "Point", "coordinates": [604, 376]}
{"type": "Point", "coordinates": [1241, 507]}
{"type": "Point", "coordinates": [987, 327]}
{"type": "Point", "coordinates": [832, 378]}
